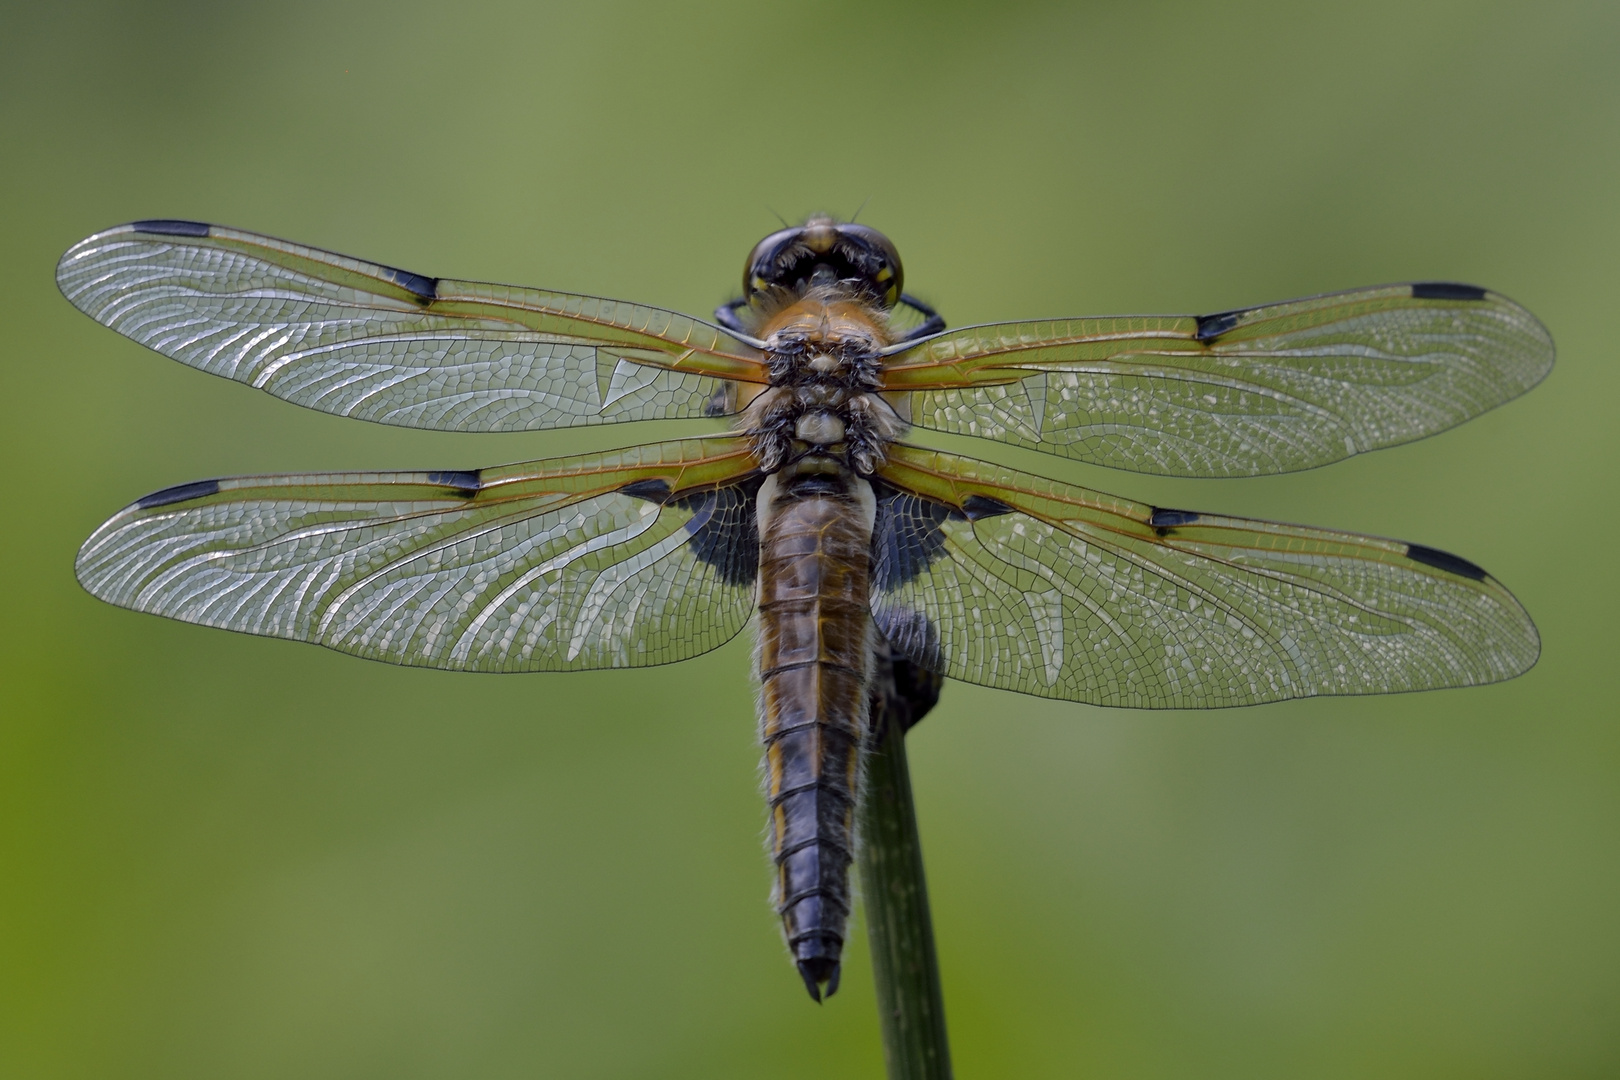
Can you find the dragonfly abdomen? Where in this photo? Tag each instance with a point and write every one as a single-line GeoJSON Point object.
{"type": "Point", "coordinates": [814, 660]}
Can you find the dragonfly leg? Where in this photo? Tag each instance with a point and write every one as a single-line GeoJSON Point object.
{"type": "Point", "coordinates": [935, 322]}
{"type": "Point", "coordinates": [726, 315]}
{"type": "Point", "coordinates": [901, 688]}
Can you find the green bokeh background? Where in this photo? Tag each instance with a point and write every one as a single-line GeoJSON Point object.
{"type": "Point", "coordinates": [223, 856]}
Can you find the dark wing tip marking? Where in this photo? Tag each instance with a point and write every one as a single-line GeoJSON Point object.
{"type": "Point", "coordinates": [464, 483]}
{"type": "Point", "coordinates": [1444, 560]}
{"type": "Point", "coordinates": [1169, 519]}
{"type": "Point", "coordinates": [1213, 326]}
{"type": "Point", "coordinates": [423, 288]}
{"type": "Point", "coordinates": [652, 490]}
{"type": "Point", "coordinates": [170, 227]}
{"type": "Point", "coordinates": [179, 493]}
{"type": "Point", "coordinates": [1446, 290]}
{"type": "Point", "coordinates": [983, 506]}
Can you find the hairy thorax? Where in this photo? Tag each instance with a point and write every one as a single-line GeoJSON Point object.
{"type": "Point", "coordinates": [823, 405]}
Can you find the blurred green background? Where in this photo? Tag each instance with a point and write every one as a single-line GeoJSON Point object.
{"type": "Point", "coordinates": [224, 856]}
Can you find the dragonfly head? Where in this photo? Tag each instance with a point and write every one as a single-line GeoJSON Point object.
{"type": "Point", "coordinates": [825, 252]}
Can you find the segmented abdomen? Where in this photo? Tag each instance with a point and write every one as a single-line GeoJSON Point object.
{"type": "Point", "coordinates": [814, 661]}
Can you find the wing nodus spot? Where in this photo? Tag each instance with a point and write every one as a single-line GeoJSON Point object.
{"type": "Point", "coordinates": [425, 289]}
{"type": "Point", "coordinates": [1444, 560]}
{"type": "Point", "coordinates": [465, 484]}
{"type": "Point", "coordinates": [652, 490]}
{"type": "Point", "coordinates": [1211, 327]}
{"type": "Point", "coordinates": [1169, 519]}
{"type": "Point", "coordinates": [1446, 290]}
{"type": "Point", "coordinates": [170, 227]}
{"type": "Point", "coordinates": [179, 493]}
{"type": "Point", "coordinates": [983, 506]}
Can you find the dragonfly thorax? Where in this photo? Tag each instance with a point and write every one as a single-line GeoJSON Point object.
{"type": "Point", "coordinates": [824, 350]}
{"type": "Point", "coordinates": [788, 425]}
{"type": "Point", "coordinates": [824, 335]}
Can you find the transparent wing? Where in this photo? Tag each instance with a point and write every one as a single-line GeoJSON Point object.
{"type": "Point", "coordinates": [637, 557]}
{"type": "Point", "coordinates": [370, 341]}
{"type": "Point", "coordinates": [1009, 580]}
{"type": "Point", "coordinates": [1265, 390]}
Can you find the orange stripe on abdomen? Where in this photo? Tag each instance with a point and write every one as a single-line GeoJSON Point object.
{"type": "Point", "coordinates": [814, 660]}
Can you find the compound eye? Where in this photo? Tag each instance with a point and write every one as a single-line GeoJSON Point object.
{"type": "Point", "coordinates": [759, 272]}
{"type": "Point", "coordinates": [824, 251]}
{"type": "Point", "coordinates": [886, 273]}
{"type": "Point", "coordinates": [887, 279]}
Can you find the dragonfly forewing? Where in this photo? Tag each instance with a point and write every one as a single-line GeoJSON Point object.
{"type": "Point", "coordinates": [1265, 390]}
{"type": "Point", "coordinates": [377, 343]}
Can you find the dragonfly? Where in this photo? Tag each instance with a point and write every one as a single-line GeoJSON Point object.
{"type": "Point", "coordinates": [811, 517]}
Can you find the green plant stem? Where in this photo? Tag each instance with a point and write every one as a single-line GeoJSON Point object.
{"type": "Point", "coordinates": [911, 1005]}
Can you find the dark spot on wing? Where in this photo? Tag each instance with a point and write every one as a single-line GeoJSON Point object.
{"type": "Point", "coordinates": [1169, 519]}
{"type": "Point", "coordinates": [1213, 326]}
{"type": "Point", "coordinates": [652, 490]}
{"type": "Point", "coordinates": [179, 493]}
{"type": "Point", "coordinates": [1444, 560]}
{"type": "Point", "coordinates": [912, 634]}
{"type": "Point", "coordinates": [906, 536]}
{"type": "Point", "coordinates": [724, 530]}
{"type": "Point", "coordinates": [170, 227]}
{"type": "Point", "coordinates": [983, 506]}
{"type": "Point", "coordinates": [1446, 290]}
{"type": "Point", "coordinates": [719, 403]}
{"type": "Point", "coordinates": [425, 289]}
{"type": "Point", "coordinates": [465, 483]}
